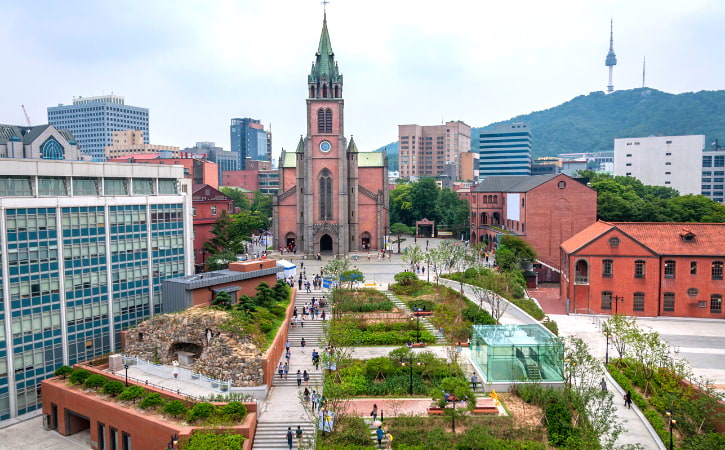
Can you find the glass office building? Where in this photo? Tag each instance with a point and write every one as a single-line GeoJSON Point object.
{"type": "Point", "coordinates": [92, 120]}
{"type": "Point", "coordinates": [84, 248]}
{"type": "Point", "coordinates": [517, 353]}
{"type": "Point", "coordinates": [504, 150]}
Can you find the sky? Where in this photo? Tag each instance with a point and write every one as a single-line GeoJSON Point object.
{"type": "Point", "coordinates": [197, 64]}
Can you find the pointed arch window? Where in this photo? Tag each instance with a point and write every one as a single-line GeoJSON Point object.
{"type": "Point", "coordinates": [324, 120]}
{"type": "Point", "coordinates": [324, 91]}
{"type": "Point", "coordinates": [325, 195]}
{"type": "Point", "coordinates": [328, 120]}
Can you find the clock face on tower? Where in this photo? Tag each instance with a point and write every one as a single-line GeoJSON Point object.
{"type": "Point", "coordinates": [325, 146]}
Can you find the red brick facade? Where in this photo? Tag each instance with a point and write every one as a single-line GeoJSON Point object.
{"type": "Point", "coordinates": [544, 210]}
{"type": "Point", "coordinates": [70, 409]}
{"type": "Point", "coordinates": [208, 206]}
{"type": "Point", "coordinates": [645, 269]}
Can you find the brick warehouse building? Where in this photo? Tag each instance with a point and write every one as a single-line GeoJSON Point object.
{"type": "Point", "coordinates": [208, 205]}
{"type": "Point", "coordinates": [545, 210]}
{"type": "Point", "coordinates": [645, 269]}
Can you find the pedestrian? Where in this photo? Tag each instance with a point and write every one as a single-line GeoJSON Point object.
{"type": "Point", "coordinates": [323, 314]}
{"type": "Point", "coordinates": [306, 377]}
{"type": "Point", "coordinates": [299, 378]}
{"type": "Point", "coordinates": [289, 437]}
{"type": "Point", "coordinates": [280, 370]}
{"type": "Point", "coordinates": [313, 400]}
{"type": "Point", "coordinates": [380, 433]}
{"type": "Point", "coordinates": [390, 440]}
{"type": "Point", "coordinates": [286, 345]}
{"type": "Point", "coordinates": [303, 344]}
{"type": "Point", "coordinates": [603, 384]}
{"type": "Point", "coordinates": [300, 283]}
{"type": "Point", "coordinates": [298, 434]}
{"type": "Point", "coordinates": [288, 355]}
{"type": "Point", "coordinates": [628, 400]}
{"type": "Point", "coordinates": [286, 370]}
{"type": "Point", "coordinates": [374, 412]}
{"type": "Point", "coordinates": [307, 395]}
{"type": "Point", "coordinates": [440, 331]}
{"type": "Point", "coordinates": [316, 359]}
{"type": "Point", "coordinates": [474, 381]}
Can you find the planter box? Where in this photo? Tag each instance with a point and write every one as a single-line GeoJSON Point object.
{"type": "Point", "coordinates": [423, 313]}
{"type": "Point", "coordinates": [420, 344]}
{"type": "Point", "coordinates": [485, 410]}
{"type": "Point", "coordinates": [435, 411]}
{"type": "Point", "coordinates": [224, 387]}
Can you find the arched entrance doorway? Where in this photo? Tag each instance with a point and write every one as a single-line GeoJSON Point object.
{"type": "Point", "coordinates": [325, 243]}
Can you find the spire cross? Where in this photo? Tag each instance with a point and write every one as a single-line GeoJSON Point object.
{"type": "Point", "coordinates": [324, 5]}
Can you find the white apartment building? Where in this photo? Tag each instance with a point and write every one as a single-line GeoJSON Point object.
{"type": "Point", "coordinates": [670, 161]}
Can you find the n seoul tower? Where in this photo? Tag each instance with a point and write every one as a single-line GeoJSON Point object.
{"type": "Point", "coordinates": [611, 60]}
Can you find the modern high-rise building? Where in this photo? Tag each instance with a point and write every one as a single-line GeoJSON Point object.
{"type": "Point", "coordinates": [713, 172]}
{"type": "Point", "coordinates": [426, 150]}
{"type": "Point", "coordinates": [669, 161]}
{"type": "Point", "coordinates": [505, 150]}
{"type": "Point", "coordinates": [225, 161]}
{"type": "Point", "coordinates": [249, 140]}
{"type": "Point", "coordinates": [132, 142]}
{"type": "Point", "coordinates": [85, 247]}
{"type": "Point", "coordinates": [92, 120]}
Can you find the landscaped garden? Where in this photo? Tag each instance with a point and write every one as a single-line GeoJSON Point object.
{"type": "Point", "coordinates": [660, 382]}
{"type": "Point", "coordinates": [453, 313]}
{"type": "Point", "coordinates": [366, 317]}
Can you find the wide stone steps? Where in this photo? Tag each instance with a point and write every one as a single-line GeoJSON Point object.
{"type": "Point", "coordinates": [273, 435]}
{"type": "Point", "coordinates": [424, 323]}
{"type": "Point", "coordinates": [315, 380]}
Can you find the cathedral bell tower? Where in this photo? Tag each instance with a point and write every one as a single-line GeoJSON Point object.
{"type": "Point", "coordinates": [322, 167]}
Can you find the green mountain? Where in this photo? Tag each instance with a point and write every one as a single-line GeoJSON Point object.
{"type": "Point", "coordinates": [392, 150]}
{"type": "Point", "coordinates": [591, 122]}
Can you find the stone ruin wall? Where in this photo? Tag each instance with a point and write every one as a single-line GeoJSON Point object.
{"type": "Point", "coordinates": [224, 357]}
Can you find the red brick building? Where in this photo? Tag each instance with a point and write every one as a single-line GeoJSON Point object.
{"type": "Point", "coordinates": [645, 269]}
{"type": "Point", "coordinates": [208, 205]}
{"type": "Point", "coordinates": [545, 210]}
{"type": "Point", "coordinates": [332, 198]}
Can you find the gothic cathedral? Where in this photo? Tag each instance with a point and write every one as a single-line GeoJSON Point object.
{"type": "Point", "coordinates": [332, 199]}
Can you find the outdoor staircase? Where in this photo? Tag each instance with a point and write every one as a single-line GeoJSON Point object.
{"type": "Point", "coordinates": [533, 372]}
{"type": "Point", "coordinates": [424, 323]}
{"type": "Point", "coordinates": [274, 435]}
{"type": "Point", "coordinates": [374, 434]}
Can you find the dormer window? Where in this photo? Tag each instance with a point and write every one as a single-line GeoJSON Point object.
{"type": "Point", "coordinates": [687, 237]}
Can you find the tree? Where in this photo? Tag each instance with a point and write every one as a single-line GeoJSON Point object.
{"type": "Point", "coordinates": [413, 256]}
{"type": "Point", "coordinates": [222, 299]}
{"type": "Point", "coordinates": [225, 237]}
{"type": "Point", "coordinates": [621, 328]}
{"type": "Point", "coordinates": [336, 267]}
{"type": "Point", "coordinates": [239, 197]}
{"type": "Point", "coordinates": [458, 390]}
{"type": "Point", "coordinates": [113, 388]}
{"type": "Point", "coordinates": [423, 197]}
{"type": "Point", "coordinates": [401, 207]}
{"type": "Point", "coordinates": [452, 212]}
{"type": "Point", "coordinates": [484, 288]}
{"type": "Point", "coordinates": [520, 252]}
{"type": "Point", "coordinates": [399, 229]}
{"type": "Point", "coordinates": [350, 277]}
{"type": "Point", "coordinates": [262, 204]}
{"type": "Point", "coordinates": [63, 371]}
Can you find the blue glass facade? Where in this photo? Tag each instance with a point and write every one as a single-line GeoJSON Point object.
{"type": "Point", "coordinates": [73, 277]}
{"type": "Point", "coordinates": [505, 150]}
{"type": "Point", "coordinates": [93, 120]}
{"type": "Point", "coordinates": [248, 141]}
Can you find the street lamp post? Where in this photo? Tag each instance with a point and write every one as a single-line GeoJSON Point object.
{"type": "Point", "coordinates": [416, 310]}
{"type": "Point", "coordinates": [606, 354]}
{"type": "Point", "coordinates": [174, 440]}
{"type": "Point", "coordinates": [616, 299]}
{"type": "Point", "coordinates": [672, 422]}
{"type": "Point", "coordinates": [125, 366]}
{"type": "Point", "coordinates": [410, 372]}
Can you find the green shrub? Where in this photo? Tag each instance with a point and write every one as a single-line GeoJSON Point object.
{"type": "Point", "coordinates": [63, 371]}
{"type": "Point", "coordinates": [475, 315]}
{"type": "Point", "coordinates": [113, 388]}
{"type": "Point", "coordinates": [265, 325]}
{"type": "Point", "coordinates": [175, 408]}
{"type": "Point", "coordinates": [551, 326]}
{"type": "Point", "coordinates": [657, 423]}
{"type": "Point", "coordinates": [704, 441]}
{"type": "Point", "coordinates": [278, 310]}
{"type": "Point", "coordinates": [558, 423]}
{"type": "Point", "coordinates": [79, 376]}
{"type": "Point", "coordinates": [209, 439]}
{"type": "Point", "coordinates": [406, 278]}
{"type": "Point", "coordinates": [234, 410]}
{"type": "Point", "coordinates": [152, 400]}
{"type": "Point", "coordinates": [530, 307]}
{"type": "Point", "coordinates": [425, 305]}
{"type": "Point", "coordinates": [132, 393]}
{"type": "Point", "coordinates": [95, 381]}
{"type": "Point", "coordinates": [202, 410]}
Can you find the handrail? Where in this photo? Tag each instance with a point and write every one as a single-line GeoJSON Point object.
{"type": "Point", "coordinates": [183, 373]}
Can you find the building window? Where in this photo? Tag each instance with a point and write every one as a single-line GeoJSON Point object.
{"type": "Point", "coordinates": [669, 304]}
{"type": "Point", "coordinates": [607, 267]}
{"type": "Point", "coordinates": [193, 211]}
{"type": "Point", "coordinates": [639, 301]}
{"type": "Point", "coordinates": [213, 210]}
{"type": "Point", "coordinates": [717, 270]}
{"type": "Point", "coordinates": [561, 184]}
{"type": "Point", "coordinates": [693, 267]}
{"type": "Point", "coordinates": [581, 272]}
{"type": "Point", "coordinates": [324, 120]}
{"type": "Point", "coordinates": [639, 268]}
{"type": "Point", "coordinates": [692, 292]}
{"type": "Point", "coordinates": [614, 242]}
{"type": "Point", "coordinates": [716, 303]}
{"type": "Point", "coordinates": [325, 195]}
{"type": "Point", "coordinates": [52, 186]}
{"type": "Point", "coordinates": [669, 269]}
{"type": "Point", "coordinates": [607, 300]}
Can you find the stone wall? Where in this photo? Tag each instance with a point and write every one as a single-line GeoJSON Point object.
{"type": "Point", "coordinates": [218, 354]}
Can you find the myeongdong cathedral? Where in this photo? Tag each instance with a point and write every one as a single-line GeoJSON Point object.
{"type": "Point", "coordinates": [333, 199]}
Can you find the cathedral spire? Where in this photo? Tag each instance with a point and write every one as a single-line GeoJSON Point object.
{"type": "Point", "coordinates": [325, 80]}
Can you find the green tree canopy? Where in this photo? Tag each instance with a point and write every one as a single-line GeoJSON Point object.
{"type": "Point", "coordinates": [239, 197]}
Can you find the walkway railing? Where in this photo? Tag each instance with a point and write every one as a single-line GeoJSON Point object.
{"type": "Point", "coordinates": [184, 374]}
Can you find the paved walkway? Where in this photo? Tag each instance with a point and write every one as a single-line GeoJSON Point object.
{"type": "Point", "coordinates": [549, 298]}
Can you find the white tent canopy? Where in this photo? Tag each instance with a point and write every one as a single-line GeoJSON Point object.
{"type": "Point", "coordinates": [290, 269]}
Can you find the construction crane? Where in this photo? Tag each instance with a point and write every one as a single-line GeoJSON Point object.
{"type": "Point", "coordinates": [27, 117]}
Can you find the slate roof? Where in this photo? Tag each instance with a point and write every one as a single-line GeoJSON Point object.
{"type": "Point", "coordinates": [28, 134]}
{"type": "Point", "coordinates": [663, 238]}
{"type": "Point", "coordinates": [512, 183]}
{"type": "Point", "coordinates": [33, 134]}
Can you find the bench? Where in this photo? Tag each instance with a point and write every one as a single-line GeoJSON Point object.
{"type": "Point", "coordinates": [485, 410]}
{"type": "Point", "coordinates": [419, 344]}
{"type": "Point", "coordinates": [422, 313]}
